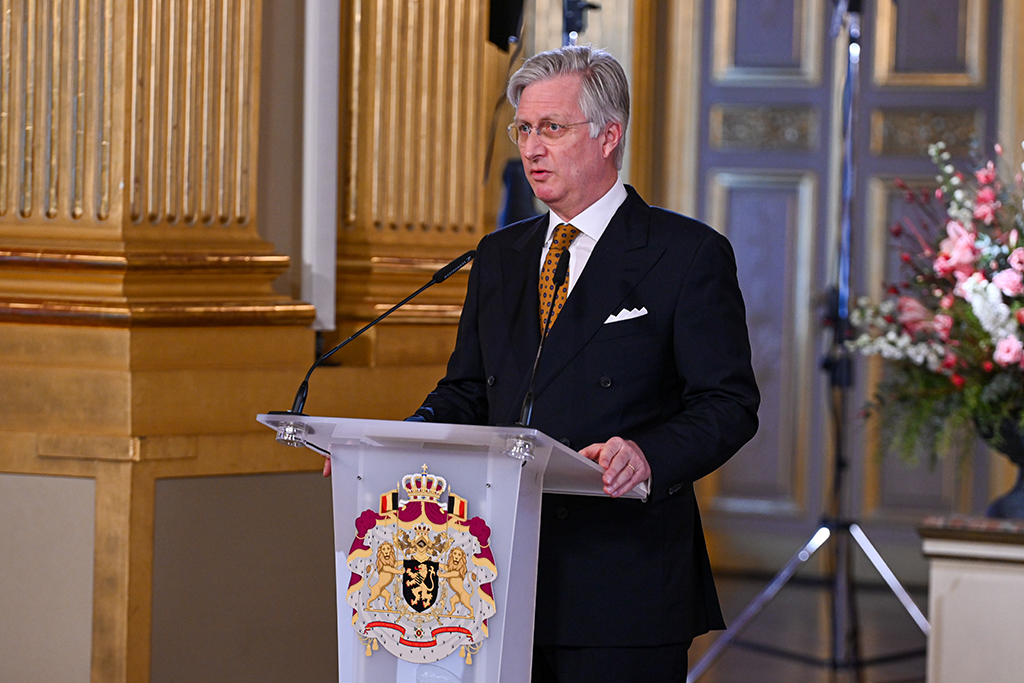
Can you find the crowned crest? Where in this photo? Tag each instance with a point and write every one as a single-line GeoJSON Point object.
{"type": "Point", "coordinates": [421, 573]}
{"type": "Point", "coordinates": [423, 486]}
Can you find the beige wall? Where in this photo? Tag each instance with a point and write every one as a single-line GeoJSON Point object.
{"type": "Point", "coordinates": [243, 580]}
{"type": "Point", "coordinates": [46, 551]}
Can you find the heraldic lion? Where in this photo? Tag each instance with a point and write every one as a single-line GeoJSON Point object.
{"type": "Point", "coordinates": [455, 572]}
{"type": "Point", "coordinates": [387, 569]}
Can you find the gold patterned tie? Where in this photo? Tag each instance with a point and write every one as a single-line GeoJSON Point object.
{"type": "Point", "coordinates": [564, 235]}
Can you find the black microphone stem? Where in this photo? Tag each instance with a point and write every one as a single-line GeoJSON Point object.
{"type": "Point", "coordinates": [440, 276]}
{"type": "Point", "coordinates": [300, 397]}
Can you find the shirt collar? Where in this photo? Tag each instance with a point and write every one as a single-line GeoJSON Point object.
{"type": "Point", "coordinates": [593, 220]}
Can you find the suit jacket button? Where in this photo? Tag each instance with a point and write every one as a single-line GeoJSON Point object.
{"type": "Point", "coordinates": [491, 381]}
{"type": "Point", "coordinates": [565, 441]}
{"type": "Point", "coordinates": [561, 513]}
{"type": "Point", "coordinates": [606, 381]}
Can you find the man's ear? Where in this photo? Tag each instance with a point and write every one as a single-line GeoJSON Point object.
{"type": "Point", "coordinates": [611, 138]}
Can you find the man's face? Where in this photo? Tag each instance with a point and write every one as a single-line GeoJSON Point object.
{"type": "Point", "coordinates": [570, 173]}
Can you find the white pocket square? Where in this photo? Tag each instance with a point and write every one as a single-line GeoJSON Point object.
{"type": "Point", "coordinates": [626, 315]}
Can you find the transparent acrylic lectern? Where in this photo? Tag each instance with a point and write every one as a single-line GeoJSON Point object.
{"type": "Point", "coordinates": [370, 458]}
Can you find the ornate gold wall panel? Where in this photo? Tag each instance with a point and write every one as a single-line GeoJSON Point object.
{"type": "Point", "coordinates": [909, 131]}
{"type": "Point", "coordinates": [972, 22]}
{"type": "Point", "coordinates": [739, 127]}
{"type": "Point", "coordinates": [127, 164]}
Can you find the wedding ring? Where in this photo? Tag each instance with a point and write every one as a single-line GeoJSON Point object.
{"type": "Point", "coordinates": [631, 467]}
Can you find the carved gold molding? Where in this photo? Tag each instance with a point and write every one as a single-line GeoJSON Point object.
{"type": "Point", "coordinates": [972, 47]}
{"type": "Point", "coordinates": [739, 127]}
{"type": "Point", "coordinates": [908, 131]}
{"type": "Point", "coordinates": [148, 289]}
{"type": "Point", "coordinates": [807, 21]}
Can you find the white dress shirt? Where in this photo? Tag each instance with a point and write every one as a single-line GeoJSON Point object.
{"type": "Point", "coordinates": [591, 223]}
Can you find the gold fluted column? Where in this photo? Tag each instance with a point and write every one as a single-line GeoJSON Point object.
{"type": "Point", "coordinates": [419, 84]}
{"type": "Point", "coordinates": [127, 165]}
{"type": "Point", "coordinates": [139, 330]}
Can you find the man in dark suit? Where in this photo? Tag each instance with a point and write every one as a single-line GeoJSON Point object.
{"type": "Point", "coordinates": [645, 370]}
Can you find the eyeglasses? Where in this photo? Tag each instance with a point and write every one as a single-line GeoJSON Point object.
{"type": "Point", "coordinates": [547, 131]}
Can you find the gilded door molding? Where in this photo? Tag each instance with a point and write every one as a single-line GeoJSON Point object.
{"type": "Point", "coordinates": [806, 47]}
{"type": "Point", "coordinates": [971, 48]}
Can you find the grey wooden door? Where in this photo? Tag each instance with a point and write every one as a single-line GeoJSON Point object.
{"type": "Point", "coordinates": [769, 174]}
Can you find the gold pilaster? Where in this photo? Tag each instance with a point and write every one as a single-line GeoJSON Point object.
{"type": "Point", "coordinates": [127, 165]}
{"type": "Point", "coordinates": [139, 330]}
{"type": "Point", "coordinates": [1011, 81]}
{"type": "Point", "coordinates": [417, 90]}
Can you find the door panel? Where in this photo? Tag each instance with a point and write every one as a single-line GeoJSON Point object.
{"type": "Point", "coordinates": [769, 164]}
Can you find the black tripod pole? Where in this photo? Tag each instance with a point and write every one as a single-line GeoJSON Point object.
{"type": "Point", "coordinates": [835, 525]}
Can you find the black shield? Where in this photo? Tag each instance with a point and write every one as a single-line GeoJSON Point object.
{"type": "Point", "coordinates": [420, 584]}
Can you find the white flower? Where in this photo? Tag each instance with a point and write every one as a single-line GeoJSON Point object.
{"type": "Point", "coordinates": [986, 301]}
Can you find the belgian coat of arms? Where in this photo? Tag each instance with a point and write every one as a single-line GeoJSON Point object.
{"type": "Point", "coordinates": [421, 574]}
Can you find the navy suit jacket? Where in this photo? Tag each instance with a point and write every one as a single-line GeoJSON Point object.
{"type": "Point", "coordinates": [678, 381]}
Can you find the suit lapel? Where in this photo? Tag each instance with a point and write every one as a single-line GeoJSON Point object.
{"type": "Point", "coordinates": [621, 258]}
{"type": "Point", "coordinates": [520, 295]}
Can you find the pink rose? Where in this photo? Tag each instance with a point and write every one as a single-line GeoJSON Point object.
{"type": "Point", "coordinates": [956, 253]}
{"type": "Point", "coordinates": [1016, 259]}
{"type": "Point", "coordinates": [1009, 351]}
{"type": "Point", "coordinates": [943, 325]}
{"type": "Point", "coordinates": [1009, 281]}
{"type": "Point", "coordinates": [946, 302]}
{"type": "Point", "coordinates": [913, 315]}
{"type": "Point", "coordinates": [986, 194]}
{"type": "Point", "coordinates": [986, 213]}
{"type": "Point", "coordinates": [985, 205]}
{"type": "Point", "coordinates": [986, 175]}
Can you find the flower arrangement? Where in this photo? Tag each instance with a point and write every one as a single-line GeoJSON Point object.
{"type": "Point", "coordinates": [953, 331]}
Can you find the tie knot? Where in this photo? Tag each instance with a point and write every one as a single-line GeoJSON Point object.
{"type": "Point", "coordinates": [564, 235]}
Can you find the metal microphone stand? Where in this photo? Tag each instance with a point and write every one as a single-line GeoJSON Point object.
{"type": "Point", "coordinates": [835, 525]}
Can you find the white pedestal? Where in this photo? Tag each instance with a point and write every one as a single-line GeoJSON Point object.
{"type": "Point", "coordinates": [976, 600]}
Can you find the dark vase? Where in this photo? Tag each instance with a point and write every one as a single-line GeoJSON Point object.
{"type": "Point", "coordinates": [1010, 442]}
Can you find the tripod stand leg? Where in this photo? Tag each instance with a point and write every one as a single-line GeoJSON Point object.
{"type": "Point", "coordinates": [758, 604]}
{"type": "Point", "coordinates": [845, 619]}
{"type": "Point", "coordinates": [890, 578]}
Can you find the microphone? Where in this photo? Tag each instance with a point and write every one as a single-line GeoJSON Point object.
{"type": "Point", "coordinates": [559, 276]}
{"type": "Point", "coordinates": [292, 433]}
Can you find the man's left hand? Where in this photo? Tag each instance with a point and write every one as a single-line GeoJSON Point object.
{"type": "Point", "coordinates": [624, 464]}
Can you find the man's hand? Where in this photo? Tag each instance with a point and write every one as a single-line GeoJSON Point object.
{"type": "Point", "coordinates": [624, 464]}
{"type": "Point", "coordinates": [327, 467]}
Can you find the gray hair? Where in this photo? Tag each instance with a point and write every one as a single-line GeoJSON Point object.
{"type": "Point", "coordinates": [604, 90]}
